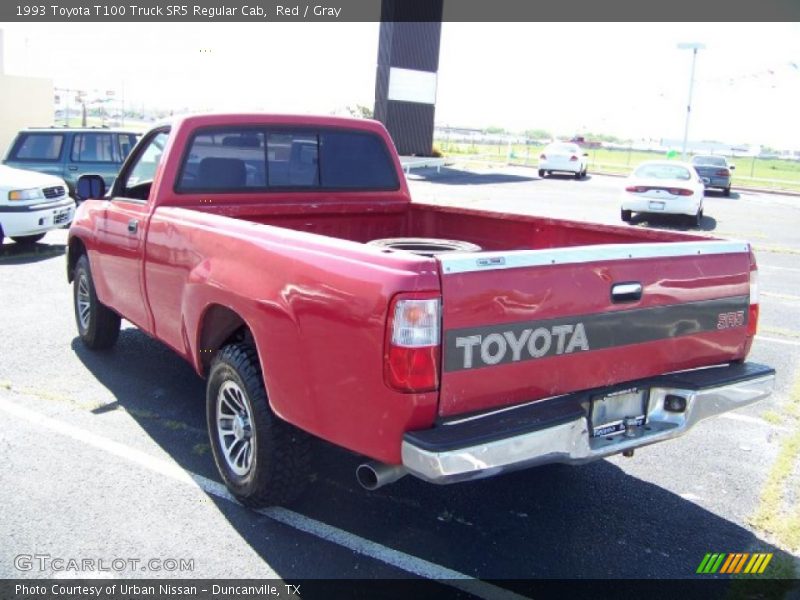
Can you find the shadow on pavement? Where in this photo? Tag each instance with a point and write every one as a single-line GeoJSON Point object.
{"type": "Point", "coordinates": [674, 222]}
{"type": "Point", "coordinates": [568, 177]}
{"type": "Point", "coordinates": [19, 254]}
{"type": "Point", "coordinates": [450, 176]}
{"type": "Point", "coordinates": [720, 194]}
{"type": "Point", "coordinates": [593, 521]}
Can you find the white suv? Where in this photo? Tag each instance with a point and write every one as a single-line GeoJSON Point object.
{"type": "Point", "coordinates": [31, 204]}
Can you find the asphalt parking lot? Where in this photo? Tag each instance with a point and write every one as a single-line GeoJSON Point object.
{"type": "Point", "coordinates": [106, 454]}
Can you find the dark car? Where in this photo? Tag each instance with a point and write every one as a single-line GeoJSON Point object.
{"type": "Point", "coordinates": [71, 152]}
{"type": "Point", "coordinates": [714, 171]}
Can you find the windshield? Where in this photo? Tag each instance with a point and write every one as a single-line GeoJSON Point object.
{"type": "Point", "coordinates": [663, 171]}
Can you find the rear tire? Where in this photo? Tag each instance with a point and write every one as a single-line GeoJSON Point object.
{"type": "Point", "coordinates": [541, 173]}
{"type": "Point", "coordinates": [727, 191]}
{"type": "Point", "coordinates": [626, 215]}
{"type": "Point", "coordinates": [579, 175]}
{"type": "Point", "coordinates": [28, 240]}
{"type": "Point", "coordinates": [698, 218]}
{"type": "Point", "coordinates": [98, 325]}
{"type": "Point", "coordinates": [263, 460]}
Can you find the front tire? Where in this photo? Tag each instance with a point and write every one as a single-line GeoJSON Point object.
{"type": "Point", "coordinates": [98, 325]}
{"type": "Point", "coordinates": [28, 240]}
{"type": "Point", "coordinates": [626, 215]}
{"type": "Point", "coordinates": [541, 173]}
{"type": "Point", "coordinates": [263, 460]}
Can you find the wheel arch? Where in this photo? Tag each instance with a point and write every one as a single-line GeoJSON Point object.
{"type": "Point", "coordinates": [219, 326]}
{"type": "Point", "coordinates": [75, 250]}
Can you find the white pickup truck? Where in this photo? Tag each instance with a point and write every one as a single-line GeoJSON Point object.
{"type": "Point", "coordinates": [31, 204]}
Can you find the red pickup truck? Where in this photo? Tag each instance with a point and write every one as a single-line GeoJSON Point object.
{"type": "Point", "coordinates": [283, 257]}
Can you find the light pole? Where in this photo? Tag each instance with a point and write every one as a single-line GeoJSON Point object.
{"type": "Point", "coordinates": [694, 47]}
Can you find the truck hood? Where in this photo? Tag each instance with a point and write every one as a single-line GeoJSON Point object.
{"type": "Point", "coordinates": [20, 179]}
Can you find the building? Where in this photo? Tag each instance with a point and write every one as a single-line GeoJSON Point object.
{"type": "Point", "coordinates": [24, 102]}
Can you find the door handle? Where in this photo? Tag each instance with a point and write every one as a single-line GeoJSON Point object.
{"type": "Point", "coordinates": [626, 292]}
{"type": "Point", "coordinates": [133, 226]}
{"type": "Point", "coordinates": [72, 168]}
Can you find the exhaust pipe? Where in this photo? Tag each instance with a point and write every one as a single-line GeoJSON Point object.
{"type": "Point", "coordinates": [373, 475]}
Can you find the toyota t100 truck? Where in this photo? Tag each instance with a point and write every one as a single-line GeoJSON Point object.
{"type": "Point", "coordinates": [282, 256]}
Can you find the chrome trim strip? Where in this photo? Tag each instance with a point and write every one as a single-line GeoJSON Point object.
{"type": "Point", "coordinates": [570, 442]}
{"type": "Point", "coordinates": [468, 262]}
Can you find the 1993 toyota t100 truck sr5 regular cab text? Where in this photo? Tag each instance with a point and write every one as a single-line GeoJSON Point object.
{"type": "Point", "coordinates": [283, 257]}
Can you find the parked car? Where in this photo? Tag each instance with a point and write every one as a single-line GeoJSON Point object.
{"type": "Point", "coordinates": [283, 257]}
{"type": "Point", "coordinates": [663, 187]}
{"type": "Point", "coordinates": [563, 157]}
{"type": "Point", "coordinates": [71, 152]}
{"type": "Point", "coordinates": [31, 204]}
{"type": "Point", "coordinates": [714, 171]}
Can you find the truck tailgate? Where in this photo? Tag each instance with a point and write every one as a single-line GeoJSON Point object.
{"type": "Point", "coordinates": [525, 325]}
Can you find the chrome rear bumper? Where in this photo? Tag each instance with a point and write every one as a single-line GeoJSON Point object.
{"type": "Point", "coordinates": [559, 433]}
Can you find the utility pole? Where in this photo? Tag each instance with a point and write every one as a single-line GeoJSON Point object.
{"type": "Point", "coordinates": [694, 47]}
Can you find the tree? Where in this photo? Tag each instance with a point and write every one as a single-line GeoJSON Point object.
{"type": "Point", "coordinates": [538, 134]}
{"type": "Point", "coordinates": [361, 111]}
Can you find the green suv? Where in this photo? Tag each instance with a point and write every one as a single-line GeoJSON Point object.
{"type": "Point", "coordinates": [69, 152]}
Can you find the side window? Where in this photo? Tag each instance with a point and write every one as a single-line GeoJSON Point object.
{"type": "Point", "coordinates": [224, 160]}
{"type": "Point", "coordinates": [38, 146]}
{"type": "Point", "coordinates": [293, 159]}
{"type": "Point", "coordinates": [144, 169]}
{"type": "Point", "coordinates": [93, 147]}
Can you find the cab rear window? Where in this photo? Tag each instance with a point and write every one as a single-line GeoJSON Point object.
{"type": "Point", "coordinates": [38, 147]}
{"type": "Point", "coordinates": [246, 159]}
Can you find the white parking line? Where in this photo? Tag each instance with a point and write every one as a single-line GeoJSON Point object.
{"type": "Point", "coordinates": [771, 268]}
{"type": "Point", "coordinates": [783, 297]}
{"type": "Point", "coordinates": [395, 558]}
{"type": "Point", "coordinates": [777, 341]}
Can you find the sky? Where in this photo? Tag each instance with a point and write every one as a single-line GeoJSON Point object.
{"type": "Point", "coordinates": [627, 79]}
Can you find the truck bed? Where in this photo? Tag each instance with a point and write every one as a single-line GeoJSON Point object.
{"type": "Point", "coordinates": [553, 274]}
{"type": "Point", "coordinates": [492, 231]}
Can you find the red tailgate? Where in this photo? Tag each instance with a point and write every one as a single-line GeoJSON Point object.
{"type": "Point", "coordinates": [519, 326]}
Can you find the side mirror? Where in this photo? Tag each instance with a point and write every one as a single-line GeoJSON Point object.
{"type": "Point", "coordinates": [90, 187]}
{"type": "Point", "coordinates": [586, 154]}
{"type": "Point", "coordinates": [731, 167]}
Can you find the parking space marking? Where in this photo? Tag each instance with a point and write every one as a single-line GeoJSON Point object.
{"type": "Point", "coordinates": [394, 558]}
{"type": "Point", "coordinates": [784, 297]}
{"type": "Point", "coordinates": [777, 341]}
{"type": "Point", "coordinates": [771, 268]}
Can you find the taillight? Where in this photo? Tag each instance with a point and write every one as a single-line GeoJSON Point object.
{"type": "Point", "coordinates": [573, 157]}
{"type": "Point", "coordinates": [638, 189]}
{"type": "Point", "coordinates": [679, 192]}
{"type": "Point", "coordinates": [543, 157]}
{"type": "Point", "coordinates": [752, 317]}
{"type": "Point", "coordinates": [411, 361]}
{"type": "Point", "coordinates": [723, 173]}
